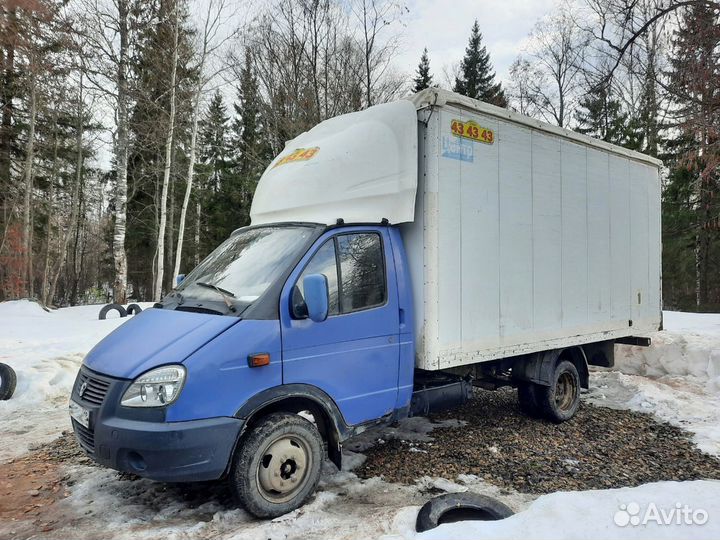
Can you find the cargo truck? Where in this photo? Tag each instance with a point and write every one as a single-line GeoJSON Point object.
{"type": "Point", "coordinates": [397, 257]}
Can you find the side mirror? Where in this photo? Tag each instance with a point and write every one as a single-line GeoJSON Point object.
{"type": "Point", "coordinates": [316, 297]}
{"type": "Point", "coordinates": [298, 305]}
{"type": "Point", "coordinates": [179, 279]}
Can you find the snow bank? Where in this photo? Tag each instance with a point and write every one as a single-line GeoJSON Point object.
{"type": "Point", "coordinates": [45, 348]}
{"type": "Point", "coordinates": [609, 514]}
{"type": "Point", "coordinates": [677, 379]}
{"type": "Point", "coordinates": [689, 346]}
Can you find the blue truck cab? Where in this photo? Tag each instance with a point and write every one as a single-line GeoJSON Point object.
{"type": "Point", "coordinates": [292, 336]}
{"type": "Point", "coordinates": [383, 275]}
{"type": "Point", "coordinates": [172, 392]}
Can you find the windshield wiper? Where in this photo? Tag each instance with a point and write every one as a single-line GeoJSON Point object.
{"type": "Point", "coordinates": [222, 292]}
{"type": "Point", "coordinates": [218, 289]}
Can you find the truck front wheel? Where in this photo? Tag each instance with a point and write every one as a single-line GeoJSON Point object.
{"type": "Point", "coordinates": [277, 465]}
{"type": "Point", "coordinates": [561, 399]}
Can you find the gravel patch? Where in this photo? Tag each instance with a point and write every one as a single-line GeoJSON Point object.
{"type": "Point", "coordinates": [490, 439]}
{"type": "Point", "coordinates": [599, 448]}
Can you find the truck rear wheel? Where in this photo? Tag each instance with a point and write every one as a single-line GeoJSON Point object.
{"type": "Point", "coordinates": [277, 466]}
{"type": "Point", "coordinates": [561, 399]}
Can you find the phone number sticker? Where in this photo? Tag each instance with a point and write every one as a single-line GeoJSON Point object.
{"type": "Point", "coordinates": [301, 154]}
{"type": "Point", "coordinates": [473, 131]}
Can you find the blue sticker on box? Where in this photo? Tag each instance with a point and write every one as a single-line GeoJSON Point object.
{"type": "Point", "coordinates": [457, 148]}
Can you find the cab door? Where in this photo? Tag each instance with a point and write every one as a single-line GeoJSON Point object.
{"type": "Point", "coordinates": [354, 354]}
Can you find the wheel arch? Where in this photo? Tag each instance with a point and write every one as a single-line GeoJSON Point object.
{"type": "Point", "coordinates": [539, 367]}
{"type": "Point", "coordinates": [577, 356]}
{"type": "Point", "coordinates": [294, 398]}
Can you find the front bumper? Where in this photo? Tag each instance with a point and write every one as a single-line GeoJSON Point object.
{"type": "Point", "coordinates": [139, 441]}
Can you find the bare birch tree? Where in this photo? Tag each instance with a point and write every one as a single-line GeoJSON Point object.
{"type": "Point", "coordinates": [28, 177]}
{"type": "Point", "coordinates": [109, 34]}
{"type": "Point", "coordinates": [619, 24]}
{"type": "Point", "coordinates": [314, 60]}
{"type": "Point", "coordinates": [210, 42]}
{"type": "Point", "coordinates": [75, 194]}
{"type": "Point", "coordinates": [550, 78]}
{"type": "Point", "coordinates": [379, 45]}
{"type": "Point", "coordinates": [157, 293]}
{"type": "Point", "coordinates": [121, 155]}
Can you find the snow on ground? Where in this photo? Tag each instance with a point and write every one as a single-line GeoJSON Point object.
{"type": "Point", "coordinates": [689, 346]}
{"type": "Point", "coordinates": [653, 511]}
{"type": "Point", "coordinates": [344, 507]}
{"type": "Point", "coordinates": [677, 380]}
{"type": "Point", "coordinates": [45, 349]}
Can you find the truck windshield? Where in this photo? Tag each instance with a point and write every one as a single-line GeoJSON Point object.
{"type": "Point", "coordinates": [245, 265]}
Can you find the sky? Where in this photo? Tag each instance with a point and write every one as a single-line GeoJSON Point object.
{"type": "Point", "coordinates": [444, 28]}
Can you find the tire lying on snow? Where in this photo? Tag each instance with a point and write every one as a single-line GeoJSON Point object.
{"type": "Point", "coordinates": [110, 307]}
{"type": "Point", "coordinates": [8, 380]}
{"type": "Point", "coordinates": [133, 309]}
{"type": "Point", "coordinates": [453, 507]}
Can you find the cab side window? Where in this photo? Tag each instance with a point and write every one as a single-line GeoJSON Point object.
{"type": "Point", "coordinates": [354, 267]}
{"type": "Point", "coordinates": [362, 272]}
{"type": "Point", "coordinates": [323, 262]}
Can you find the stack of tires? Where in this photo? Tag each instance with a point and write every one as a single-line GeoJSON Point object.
{"type": "Point", "coordinates": [132, 309]}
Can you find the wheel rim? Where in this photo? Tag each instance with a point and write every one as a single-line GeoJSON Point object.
{"type": "Point", "coordinates": [565, 391]}
{"type": "Point", "coordinates": [284, 468]}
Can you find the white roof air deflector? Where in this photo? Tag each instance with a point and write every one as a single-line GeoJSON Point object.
{"type": "Point", "coordinates": [360, 167]}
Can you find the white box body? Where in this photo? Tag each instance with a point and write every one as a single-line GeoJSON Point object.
{"type": "Point", "coordinates": [543, 239]}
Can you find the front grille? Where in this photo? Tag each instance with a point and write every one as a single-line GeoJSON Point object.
{"type": "Point", "coordinates": [84, 436]}
{"type": "Point", "coordinates": [95, 389]}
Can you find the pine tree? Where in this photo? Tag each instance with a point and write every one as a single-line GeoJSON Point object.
{"type": "Point", "coordinates": [647, 116]}
{"type": "Point", "coordinates": [476, 78]}
{"type": "Point", "coordinates": [214, 147]}
{"type": "Point", "coordinates": [601, 116]}
{"type": "Point", "coordinates": [217, 184]}
{"type": "Point", "coordinates": [149, 76]}
{"type": "Point", "coordinates": [678, 234]}
{"type": "Point", "coordinates": [252, 145]}
{"type": "Point", "coordinates": [694, 81]}
{"type": "Point", "coordinates": [423, 79]}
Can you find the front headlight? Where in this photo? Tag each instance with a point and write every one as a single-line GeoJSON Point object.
{"type": "Point", "coordinates": [156, 388]}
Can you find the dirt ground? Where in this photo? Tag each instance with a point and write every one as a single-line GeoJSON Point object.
{"type": "Point", "coordinates": [29, 488]}
{"type": "Point", "coordinates": [599, 448]}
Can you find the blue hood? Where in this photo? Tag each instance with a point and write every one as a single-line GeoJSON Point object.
{"type": "Point", "coordinates": [152, 338]}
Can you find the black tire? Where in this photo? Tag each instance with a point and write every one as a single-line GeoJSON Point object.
{"type": "Point", "coordinates": [528, 399]}
{"type": "Point", "coordinates": [471, 506]}
{"type": "Point", "coordinates": [110, 307]}
{"type": "Point", "coordinates": [133, 309]}
{"type": "Point", "coordinates": [281, 449]}
{"type": "Point", "coordinates": [560, 400]}
{"type": "Point", "coordinates": [8, 381]}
